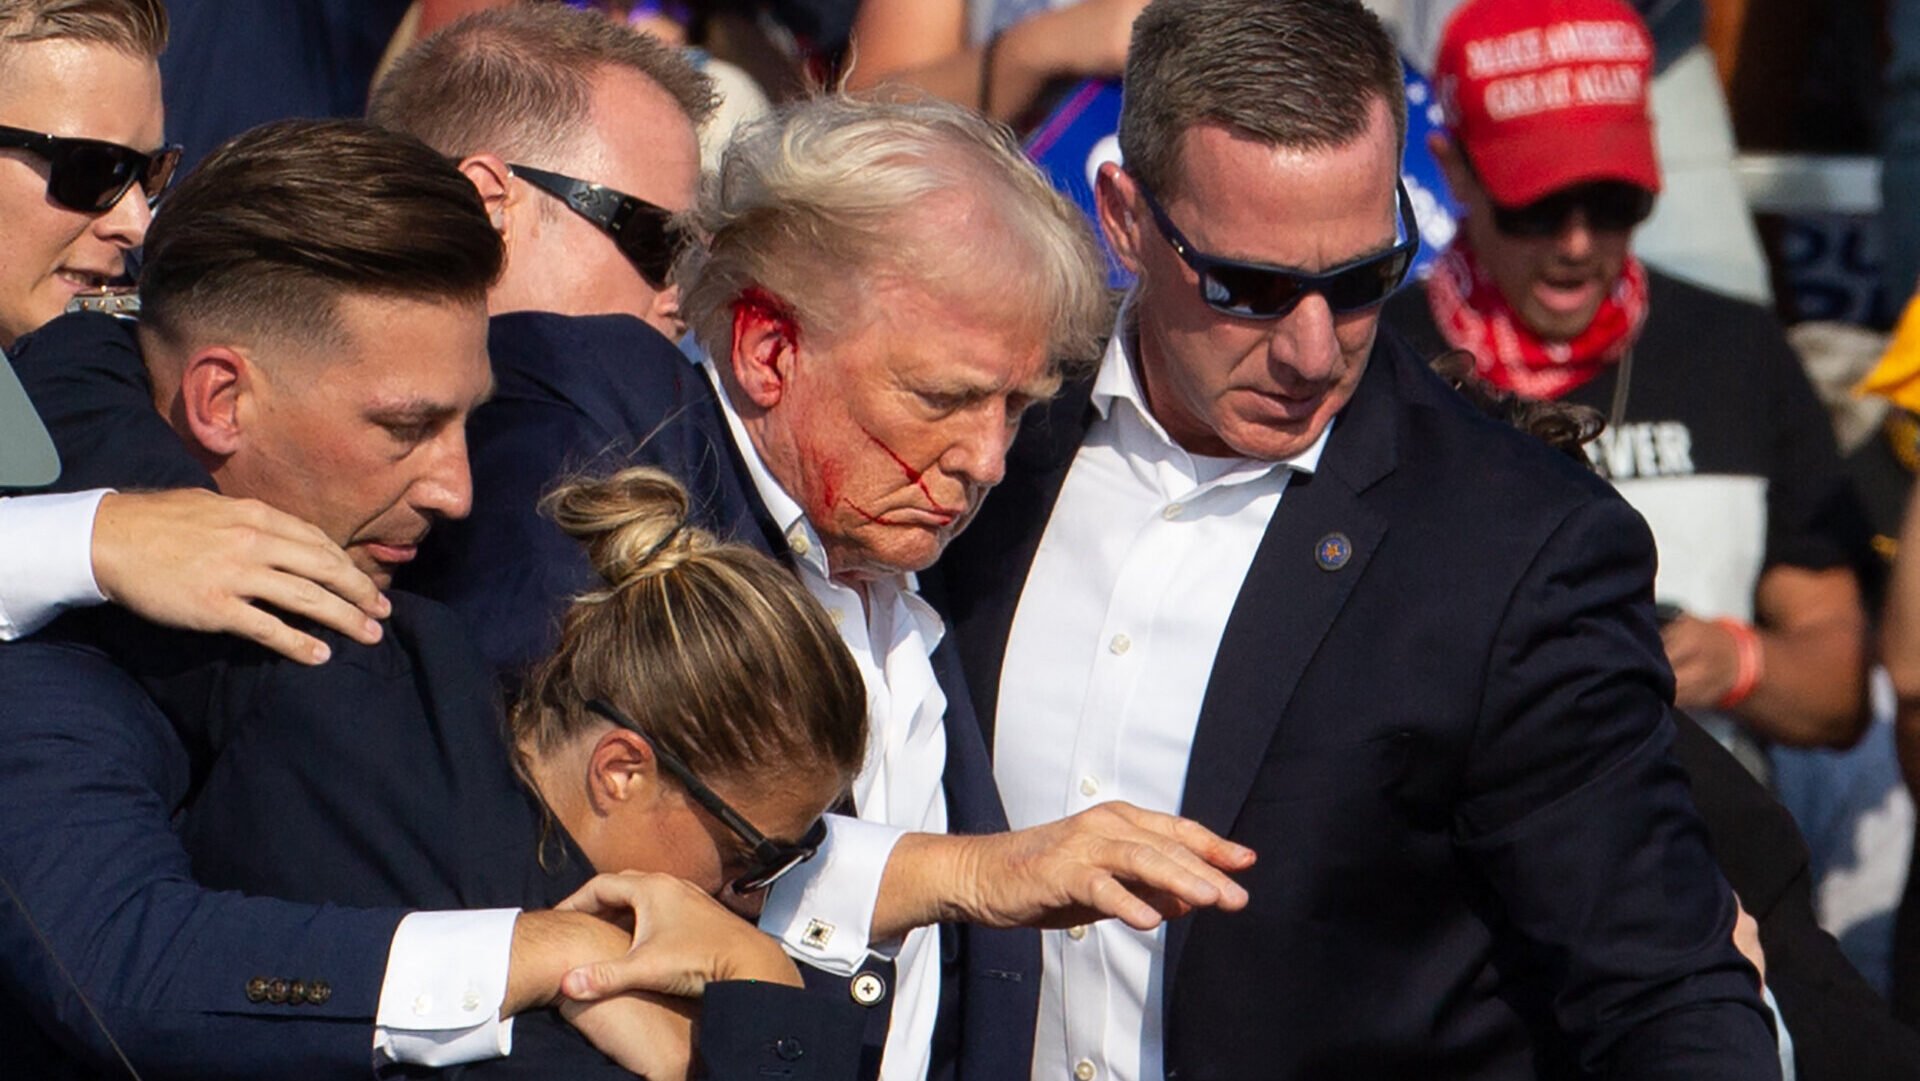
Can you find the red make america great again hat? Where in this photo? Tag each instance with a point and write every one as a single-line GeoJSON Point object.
{"type": "Point", "coordinates": [1546, 94]}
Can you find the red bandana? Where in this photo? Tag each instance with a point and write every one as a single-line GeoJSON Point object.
{"type": "Point", "coordinates": [1473, 315]}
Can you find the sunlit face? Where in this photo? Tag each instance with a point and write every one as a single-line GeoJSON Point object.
{"type": "Point", "coordinates": [672, 834]}
{"type": "Point", "coordinates": [1264, 389]}
{"type": "Point", "coordinates": [48, 252]}
{"type": "Point", "coordinates": [1555, 283]}
{"type": "Point", "coordinates": [367, 442]}
{"type": "Point", "coordinates": [640, 143]}
{"type": "Point", "coordinates": [890, 433]}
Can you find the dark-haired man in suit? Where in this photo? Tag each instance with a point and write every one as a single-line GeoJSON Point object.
{"type": "Point", "coordinates": [1265, 570]}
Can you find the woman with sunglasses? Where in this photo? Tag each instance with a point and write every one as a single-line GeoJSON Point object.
{"type": "Point", "coordinates": [698, 717]}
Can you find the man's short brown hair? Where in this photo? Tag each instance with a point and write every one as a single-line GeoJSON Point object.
{"type": "Point", "coordinates": [1303, 74]}
{"type": "Point", "coordinates": [135, 27]}
{"type": "Point", "coordinates": [518, 81]}
{"type": "Point", "coordinates": [281, 221]}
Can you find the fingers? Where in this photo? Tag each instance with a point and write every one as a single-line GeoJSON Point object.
{"type": "Point", "coordinates": [302, 595]}
{"type": "Point", "coordinates": [619, 892]}
{"type": "Point", "coordinates": [245, 621]}
{"type": "Point", "coordinates": [1180, 857]}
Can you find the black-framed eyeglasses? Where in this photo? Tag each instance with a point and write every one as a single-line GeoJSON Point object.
{"type": "Point", "coordinates": [768, 859]}
{"type": "Point", "coordinates": [1609, 206]}
{"type": "Point", "coordinates": [646, 234]}
{"type": "Point", "coordinates": [1260, 291]}
{"type": "Point", "coordinates": [91, 176]}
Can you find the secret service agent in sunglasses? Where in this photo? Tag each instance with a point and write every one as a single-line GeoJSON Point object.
{"type": "Point", "coordinates": [645, 233]}
{"type": "Point", "coordinates": [91, 176]}
{"type": "Point", "coordinates": [768, 858]}
{"type": "Point", "coordinates": [1259, 291]}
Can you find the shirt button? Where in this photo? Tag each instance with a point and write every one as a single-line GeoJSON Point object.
{"type": "Point", "coordinates": [1089, 786]}
{"type": "Point", "coordinates": [836, 616]}
{"type": "Point", "coordinates": [800, 544]}
{"type": "Point", "coordinates": [1172, 511]}
{"type": "Point", "coordinates": [1120, 644]}
{"type": "Point", "coordinates": [470, 1001]}
{"type": "Point", "coordinates": [1084, 1070]}
{"type": "Point", "coordinates": [1077, 932]}
{"type": "Point", "coordinates": [422, 1005]}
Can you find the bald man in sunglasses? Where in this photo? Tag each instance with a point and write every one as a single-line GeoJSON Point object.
{"type": "Point", "coordinates": [1714, 433]}
{"type": "Point", "coordinates": [1262, 570]}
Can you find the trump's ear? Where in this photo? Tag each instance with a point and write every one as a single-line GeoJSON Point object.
{"type": "Point", "coordinates": [766, 340]}
{"type": "Point", "coordinates": [217, 398]}
{"type": "Point", "coordinates": [1120, 211]}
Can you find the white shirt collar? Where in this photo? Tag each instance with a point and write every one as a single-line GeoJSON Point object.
{"type": "Point", "coordinates": [1118, 380]}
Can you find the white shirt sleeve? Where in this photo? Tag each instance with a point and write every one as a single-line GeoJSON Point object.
{"type": "Point", "coordinates": [446, 980]}
{"type": "Point", "coordinates": [46, 559]}
{"type": "Point", "coordinates": [822, 910]}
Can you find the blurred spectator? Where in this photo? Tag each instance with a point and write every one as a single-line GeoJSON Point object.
{"type": "Point", "coordinates": [1714, 433]}
{"type": "Point", "coordinates": [1701, 230]}
{"type": "Point", "coordinates": [998, 56]}
{"type": "Point", "coordinates": [1900, 147]}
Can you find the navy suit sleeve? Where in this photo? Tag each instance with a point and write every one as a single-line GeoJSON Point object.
{"type": "Point", "coordinates": [1579, 819]}
{"type": "Point", "coordinates": [90, 773]}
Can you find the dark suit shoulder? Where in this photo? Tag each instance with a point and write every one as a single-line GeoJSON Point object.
{"type": "Point", "coordinates": [1452, 451]}
{"type": "Point", "coordinates": [86, 377]}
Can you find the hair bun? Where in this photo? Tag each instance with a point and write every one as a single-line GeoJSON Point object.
{"type": "Point", "coordinates": [633, 523]}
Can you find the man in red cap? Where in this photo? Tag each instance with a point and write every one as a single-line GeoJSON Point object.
{"type": "Point", "coordinates": [1714, 433]}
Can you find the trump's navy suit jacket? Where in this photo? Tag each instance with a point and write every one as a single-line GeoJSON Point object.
{"type": "Point", "coordinates": [1450, 750]}
{"type": "Point", "coordinates": [598, 393]}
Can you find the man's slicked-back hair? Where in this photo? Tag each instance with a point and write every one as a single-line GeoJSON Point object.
{"type": "Point", "coordinates": [135, 27]}
{"type": "Point", "coordinates": [1302, 74]}
{"type": "Point", "coordinates": [518, 81]}
{"type": "Point", "coordinates": [824, 199]}
{"type": "Point", "coordinates": [282, 221]}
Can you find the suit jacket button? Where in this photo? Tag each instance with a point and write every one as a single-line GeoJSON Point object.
{"type": "Point", "coordinates": [868, 988]}
{"type": "Point", "coordinates": [277, 992]}
{"type": "Point", "coordinates": [318, 992]}
{"type": "Point", "coordinates": [788, 1048]}
{"type": "Point", "coordinates": [297, 992]}
{"type": "Point", "coordinates": [256, 990]}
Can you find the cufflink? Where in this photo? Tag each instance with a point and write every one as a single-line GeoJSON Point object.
{"type": "Point", "coordinates": [817, 935]}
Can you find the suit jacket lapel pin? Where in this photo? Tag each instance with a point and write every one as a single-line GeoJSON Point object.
{"type": "Point", "coordinates": [1333, 551]}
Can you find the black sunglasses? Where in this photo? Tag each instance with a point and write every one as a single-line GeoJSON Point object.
{"type": "Point", "coordinates": [89, 175]}
{"type": "Point", "coordinates": [769, 859]}
{"type": "Point", "coordinates": [1259, 291]}
{"type": "Point", "coordinates": [646, 234]}
{"type": "Point", "coordinates": [1609, 206]}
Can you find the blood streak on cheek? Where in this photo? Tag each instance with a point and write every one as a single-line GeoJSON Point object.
{"type": "Point", "coordinates": [915, 477]}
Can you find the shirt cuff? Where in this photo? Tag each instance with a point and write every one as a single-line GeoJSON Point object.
{"type": "Point", "coordinates": [48, 565]}
{"type": "Point", "coordinates": [822, 910]}
{"type": "Point", "coordinates": [446, 980]}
